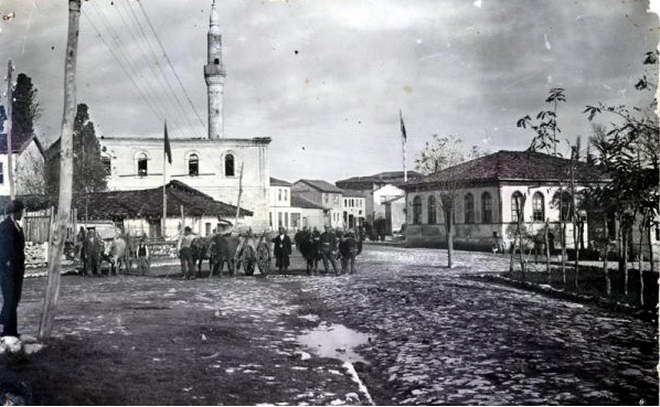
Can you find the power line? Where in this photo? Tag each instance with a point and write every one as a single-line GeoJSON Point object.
{"type": "Point", "coordinates": [158, 64]}
{"type": "Point", "coordinates": [162, 109]}
{"type": "Point", "coordinates": [154, 72]}
{"type": "Point", "coordinates": [169, 62]}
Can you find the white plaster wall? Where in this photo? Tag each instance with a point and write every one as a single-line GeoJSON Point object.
{"type": "Point", "coordinates": [313, 218]}
{"type": "Point", "coordinates": [280, 196]}
{"type": "Point", "coordinates": [252, 153]}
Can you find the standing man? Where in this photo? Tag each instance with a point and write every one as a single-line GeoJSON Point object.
{"type": "Point", "coordinates": [328, 245]}
{"type": "Point", "coordinates": [185, 253]}
{"type": "Point", "coordinates": [12, 266]}
{"type": "Point", "coordinates": [143, 256]}
{"type": "Point", "coordinates": [92, 249]}
{"type": "Point", "coordinates": [282, 250]}
{"type": "Point", "coordinates": [348, 249]}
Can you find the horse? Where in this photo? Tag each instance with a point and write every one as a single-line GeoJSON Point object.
{"type": "Point", "coordinates": [200, 252]}
{"type": "Point", "coordinates": [310, 249]}
{"type": "Point", "coordinates": [223, 249]}
{"type": "Point", "coordinates": [118, 254]}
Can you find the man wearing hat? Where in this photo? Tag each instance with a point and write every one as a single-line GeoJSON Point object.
{"type": "Point", "coordinates": [12, 266]}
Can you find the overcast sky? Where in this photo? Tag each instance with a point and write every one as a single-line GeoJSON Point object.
{"type": "Point", "coordinates": [325, 79]}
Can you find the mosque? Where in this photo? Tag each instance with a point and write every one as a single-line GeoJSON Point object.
{"type": "Point", "coordinates": [210, 165]}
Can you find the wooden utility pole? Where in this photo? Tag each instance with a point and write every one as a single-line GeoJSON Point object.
{"type": "Point", "coordinates": [8, 111]}
{"type": "Point", "coordinates": [240, 192]}
{"type": "Point", "coordinates": [58, 229]}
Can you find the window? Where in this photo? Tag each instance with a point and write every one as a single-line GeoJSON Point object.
{"type": "Point", "coordinates": [229, 166]}
{"type": "Point", "coordinates": [285, 194]}
{"type": "Point", "coordinates": [517, 206]}
{"type": "Point", "coordinates": [657, 232]}
{"type": "Point", "coordinates": [486, 208]}
{"type": "Point", "coordinates": [538, 207]}
{"type": "Point", "coordinates": [193, 165]}
{"type": "Point", "coordinates": [107, 165]}
{"type": "Point", "coordinates": [286, 219]}
{"type": "Point", "coordinates": [432, 213]}
{"type": "Point", "coordinates": [417, 210]}
{"type": "Point", "coordinates": [2, 173]}
{"type": "Point", "coordinates": [208, 228]}
{"type": "Point", "coordinates": [279, 194]}
{"type": "Point", "coordinates": [270, 219]}
{"type": "Point", "coordinates": [279, 219]}
{"type": "Point", "coordinates": [216, 61]}
{"type": "Point", "coordinates": [469, 208]}
{"type": "Point", "coordinates": [142, 164]}
{"type": "Point", "coordinates": [295, 220]}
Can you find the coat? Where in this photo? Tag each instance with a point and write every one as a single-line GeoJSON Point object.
{"type": "Point", "coordinates": [12, 270]}
{"type": "Point", "coordinates": [282, 246]}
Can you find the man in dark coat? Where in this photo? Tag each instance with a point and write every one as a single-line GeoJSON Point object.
{"type": "Point", "coordinates": [328, 248]}
{"type": "Point", "coordinates": [12, 266]}
{"type": "Point", "coordinates": [282, 250]}
{"type": "Point", "coordinates": [93, 249]}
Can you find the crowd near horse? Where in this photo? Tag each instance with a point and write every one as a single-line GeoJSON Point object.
{"type": "Point", "coordinates": [118, 254]}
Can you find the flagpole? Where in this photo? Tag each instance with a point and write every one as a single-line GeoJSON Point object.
{"type": "Point", "coordinates": [164, 226]}
{"type": "Point", "coordinates": [404, 138]}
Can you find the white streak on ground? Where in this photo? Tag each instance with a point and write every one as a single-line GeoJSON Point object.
{"type": "Point", "coordinates": [356, 378]}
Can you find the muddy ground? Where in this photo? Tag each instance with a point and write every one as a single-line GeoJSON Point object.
{"type": "Point", "coordinates": [433, 338]}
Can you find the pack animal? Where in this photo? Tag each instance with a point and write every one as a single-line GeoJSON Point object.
{"type": "Point", "coordinates": [223, 250]}
{"type": "Point", "coordinates": [310, 249]}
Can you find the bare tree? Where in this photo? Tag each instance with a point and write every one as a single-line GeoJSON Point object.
{"type": "Point", "coordinates": [58, 231]}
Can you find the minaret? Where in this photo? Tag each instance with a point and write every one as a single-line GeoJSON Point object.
{"type": "Point", "coordinates": [214, 74]}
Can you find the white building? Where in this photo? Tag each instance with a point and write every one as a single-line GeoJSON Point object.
{"type": "Point", "coordinates": [27, 159]}
{"type": "Point", "coordinates": [291, 211]}
{"type": "Point", "coordinates": [390, 204]}
{"type": "Point", "coordinates": [354, 210]}
{"type": "Point", "coordinates": [211, 165]}
{"type": "Point", "coordinates": [485, 190]}
{"type": "Point", "coordinates": [325, 195]}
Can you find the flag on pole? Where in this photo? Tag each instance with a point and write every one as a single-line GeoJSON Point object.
{"type": "Point", "coordinates": [403, 127]}
{"type": "Point", "coordinates": [168, 150]}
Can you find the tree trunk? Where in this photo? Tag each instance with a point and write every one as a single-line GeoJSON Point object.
{"type": "Point", "coordinates": [650, 244]}
{"type": "Point", "coordinates": [624, 241]}
{"type": "Point", "coordinates": [66, 178]}
{"type": "Point", "coordinates": [563, 251]}
{"type": "Point", "coordinates": [619, 237]}
{"type": "Point", "coordinates": [576, 248]}
{"type": "Point", "coordinates": [450, 239]}
{"type": "Point", "coordinates": [547, 250]}
{"type": "Point", "coordinates": [521, 205]}
{"type": "Point", "coordinates": [608, 281]}
{"type": "Point", "coordinates": [513, 253]}
{"type": "Point", "coordinates": [8, 110]}
{"type": "Point", "coordinates": [641, 263]}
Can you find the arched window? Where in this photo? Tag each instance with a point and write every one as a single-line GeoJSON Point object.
{"type": "Point", "coordinates": [432, 212]}
{"type": "Point", "coordinates": [469, 208]}
{"type": "Point", "coordinates": [486, 208]}
{"type": "Point", "coordinates": [417, 210]}
{"type": "Point", "coordinates": [229, 166]}
{"type": "Point", "coordinates": [517, 206]}
{"type": "Point", "coordinates": [142, 165]}
{"type": "Point", "coordinates": [538, 207]}
{"type": "Point", "coordinates": [193, 165]}
{"type": "Point", "coordinates": [279, 194]}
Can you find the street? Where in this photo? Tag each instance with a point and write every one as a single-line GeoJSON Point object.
{"type": "Point", "coordinates": [432, 337]}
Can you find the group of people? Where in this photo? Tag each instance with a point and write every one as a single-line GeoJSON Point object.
{"type": "Point", "coordinates": [90, 249]}
{"type": "Point", "coordinates": [328, 247]}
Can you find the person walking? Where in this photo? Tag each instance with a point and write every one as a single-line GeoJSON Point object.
{"type": "Point", "coordinates": [184, 247]}
{"type": "Point", "coordinates": [80, 243]}
{"type": "Point", "coordinates": [328, 245]}
{"type": "Point", "coordinates": [143, 256]}
{"type": "Point", "coordinates": [12, 267]}
{"type": "Point", "coordinates": [282, 250]}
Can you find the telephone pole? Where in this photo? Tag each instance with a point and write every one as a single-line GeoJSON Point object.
{"type": "Point", "coordinates": [8, 109]}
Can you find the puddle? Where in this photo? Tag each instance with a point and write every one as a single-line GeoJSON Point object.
{"type": "Point", "coordinates": [334, 341]}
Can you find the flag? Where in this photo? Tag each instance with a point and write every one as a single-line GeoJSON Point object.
{"type": "Point", "coordinates": [403, 127]}
{"type": "Point", "coordinates": [168, 150]}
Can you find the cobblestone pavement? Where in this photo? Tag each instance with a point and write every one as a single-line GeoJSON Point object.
{"type": "Point", "coordinates": [443, 339]}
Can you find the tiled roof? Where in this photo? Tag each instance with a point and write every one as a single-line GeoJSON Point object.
{"type": "Point", "coordinates": [514, 165]}
{"type": "Point", "coordinates": [353, 193]}
{"type": "Point", "coordinates": [149, 203]}
{"type": "Point", "coordinates": [300, 202]}
{"type": "Point", "coordinates": [274, 182]}
{"type": "Point", "coordinates": [321, 185]}
{"type": "Point", "coordinates": [143, 203]}
{"type": "Point", "coordinates": [367, 182]}
{"type": "Point", "coordinates": [18, 143]}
